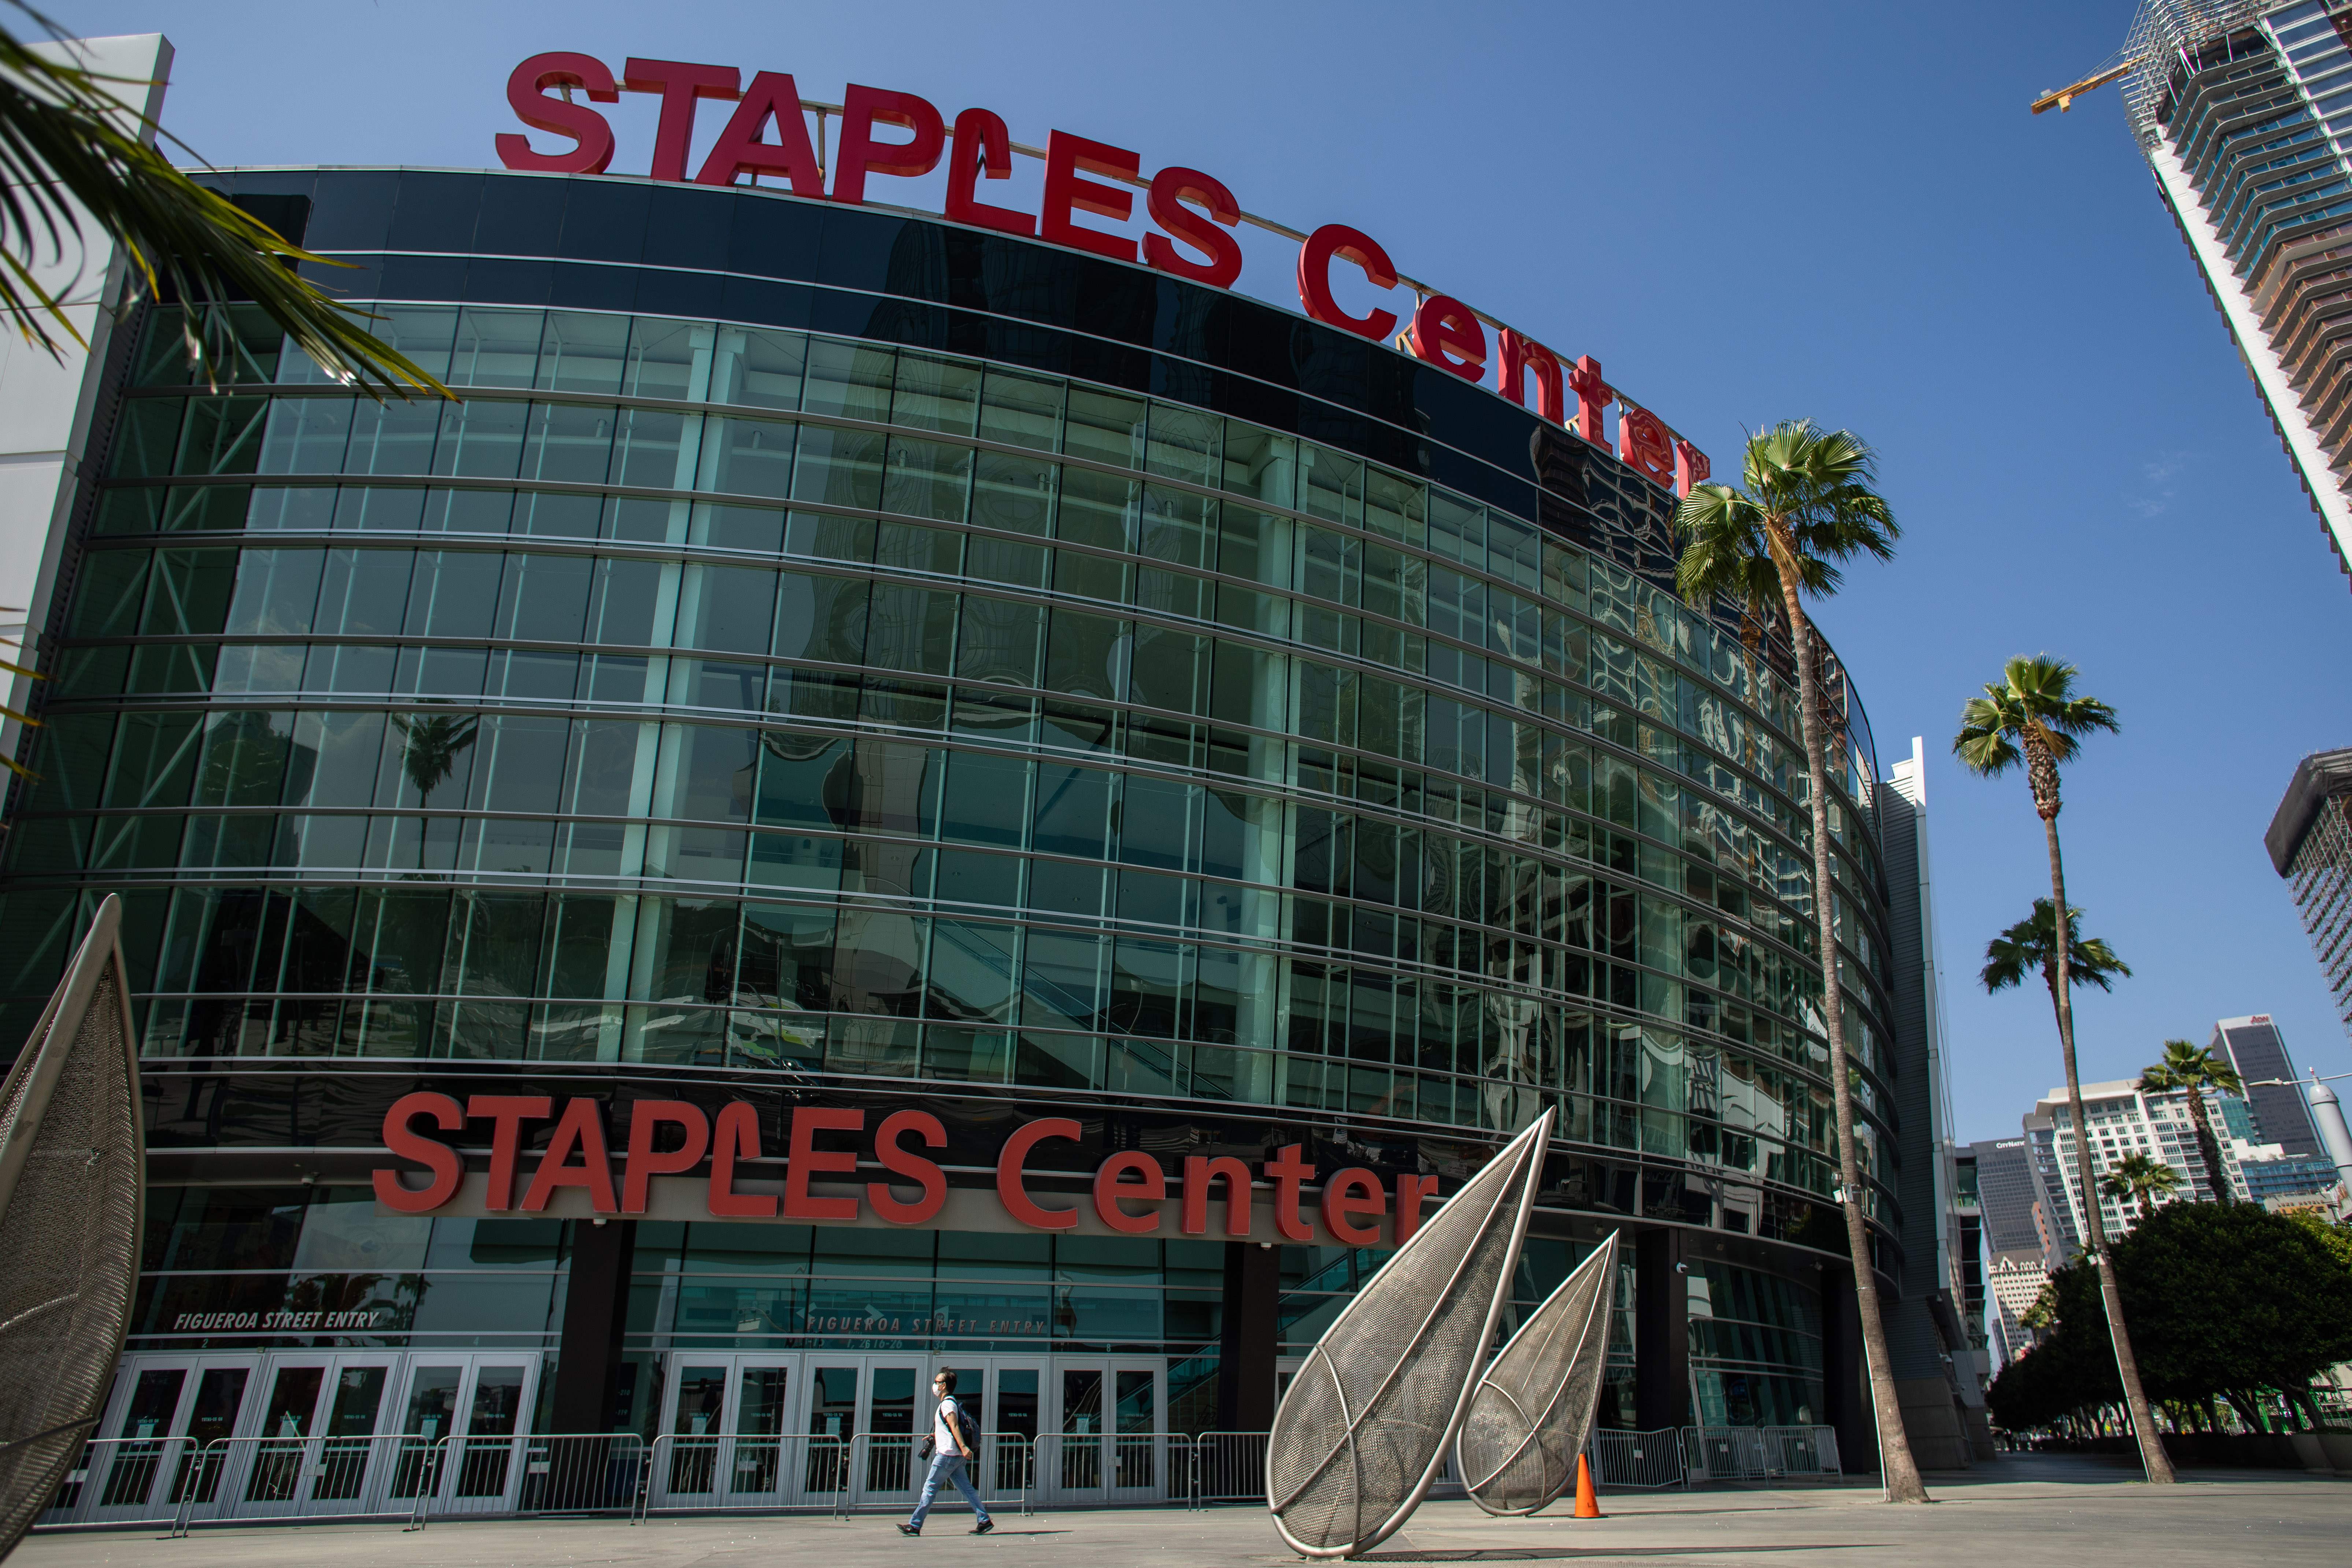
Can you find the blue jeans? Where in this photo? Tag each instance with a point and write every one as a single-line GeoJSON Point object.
{"type": "Point", "coordinates": [946, 1466]}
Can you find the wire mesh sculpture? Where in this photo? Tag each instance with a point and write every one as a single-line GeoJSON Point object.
{"type": "Point", "coordinates": [1529, 1413]}
{"type": "Point", "coordinates": [1366, 1422]}
{"type": "Point", "coordinates": [73, 1162]}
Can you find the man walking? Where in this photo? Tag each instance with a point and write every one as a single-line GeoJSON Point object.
{"type": "Point", "coordinates": [949, 1455]}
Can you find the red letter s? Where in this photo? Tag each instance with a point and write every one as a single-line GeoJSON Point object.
{"type": "Point", "coordinates": [914, 1167]}
{"type": "Point", "coordinates": [1170, 189]}
{"type": "Point", "coordinates": [526, 96]}
{"type": "Point", "coordinates": [430, 1152]}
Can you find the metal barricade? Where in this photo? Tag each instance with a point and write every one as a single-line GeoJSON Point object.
{"type": "Point", "coordinates": [708, 1473]}
{"type": "Point", "coordinates": [524, 1475]}
{"type": "Point", "coordinates": [1084, 1469]}
{"type": "Point", "coordinates": [1803, 1453]}
{"type": "Point", "coordinates": [249, 1480]}
{"type": "Point", "coordinates": [1229, 1466]}
{"type": "Point", "coordinates": [124, 1482]}
{"type": "Point", "coordinates": [1624, 1460]}
{"type": "Point", "coordinates": [1761, 1454]}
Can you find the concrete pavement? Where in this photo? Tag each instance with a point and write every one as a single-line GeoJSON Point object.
{"type": "Point", "coordinates": [2022, 1512]}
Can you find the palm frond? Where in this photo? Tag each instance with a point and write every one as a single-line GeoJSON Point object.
{"type": "Point", "coordinates": [2031, 947]}
{"type": "Point", "coordinates": [65, 152]}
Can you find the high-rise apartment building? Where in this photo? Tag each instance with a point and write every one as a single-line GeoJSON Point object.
{"type": "Point", "coordinates": [2243, 108]}
{"type": "Point", "coordinates": [2310, 844]}
{"type": "Point", "coordinates": [2122, 1120]}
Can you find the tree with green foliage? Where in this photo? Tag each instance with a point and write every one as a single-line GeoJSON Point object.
{"type": "Point", "coordinates": [2227, 1300]}
{"type": "Point", "coordinates": [2136, 1179]}
{"type": "Point", "coordinates": [2194, 1071]}
{"type": "Point", "coordinates": [1809, 500]}
{"type": "Point", "coordinates": [2032, 717]}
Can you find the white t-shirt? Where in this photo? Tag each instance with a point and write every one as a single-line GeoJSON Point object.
{"type": "Point", "coordinates": [943, 1427]}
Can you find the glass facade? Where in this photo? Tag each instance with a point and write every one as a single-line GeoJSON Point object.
{"type": "Point", "coordinates": [1141, 693]}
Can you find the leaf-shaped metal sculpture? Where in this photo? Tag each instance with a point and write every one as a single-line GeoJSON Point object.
{"type": "Point", "coordinates": [1530, 1412]}
{"type": "Point", "coordinates": [1364, 1427]}
{"type": "Point", "coordinates": [72, 1176]}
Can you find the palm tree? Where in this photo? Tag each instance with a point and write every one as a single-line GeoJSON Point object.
{"type": "Point", "coordinates": [2032, 946]}
{"type": "Point", "coordinates": [1808, 501]}
{"type": "Point", "coordinates": [2191, 1070]}
{"type": "Point", "coordinates": [69, 150]}
{"type": "Point", "coordinates": [2138, 1177]}
{"type": "Point", "coordinates": [2032, 716]}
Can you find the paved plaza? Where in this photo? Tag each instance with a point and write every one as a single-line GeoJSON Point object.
{"type": "Point", "coordinates": [2016, 1512]}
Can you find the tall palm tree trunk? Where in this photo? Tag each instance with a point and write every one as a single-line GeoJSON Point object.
{"type": "Point", "coordinates": [1901, 1471]}
{"type": "Point", "coordinates": [2208, 1148]}
{"type": "Point", "coordinates": [2151, 1446]}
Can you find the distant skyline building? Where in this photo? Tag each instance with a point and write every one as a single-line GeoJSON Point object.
{"type": "Point", "coordinates": [2014, 1283]}
{"type": "Point", "coordinates": [2010, 1198]}
{"type": "Point", "coordinates": [2253, 1046]}
{"type": "Point", "coordinates": [2310, 844]}
{"type": "Point", "coordinates": [2122, 1120]}
{"type": "Point", "coordinates": [2244, 109]}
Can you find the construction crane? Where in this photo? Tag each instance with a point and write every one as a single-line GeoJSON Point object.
{"type": "Point", "coordinates": [2063, 98]}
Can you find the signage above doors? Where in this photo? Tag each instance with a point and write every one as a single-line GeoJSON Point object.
{"type": "Point", "coordinates": [767, 136]}
{"type": "Point", "coordinates": [713, 1167]}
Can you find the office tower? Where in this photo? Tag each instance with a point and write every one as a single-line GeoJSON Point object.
{"type": "Point", "coordinates": [2253, 1046]}
{"type": "Point", "coordinates": [2243, 108]}
{"type": "Point", "coordinates": [2310, 844]}
{"type": "Point", "coordinates": [2013, 1202]}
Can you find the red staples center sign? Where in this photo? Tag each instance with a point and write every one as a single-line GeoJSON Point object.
{"type": "Point", "coordinates": [1193, 213]}
{"type": "Point", "coordinates": [659, 1174]}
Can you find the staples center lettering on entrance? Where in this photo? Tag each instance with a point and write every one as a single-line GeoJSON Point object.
{"type": "Point", "coordinates": [1128, 1193]}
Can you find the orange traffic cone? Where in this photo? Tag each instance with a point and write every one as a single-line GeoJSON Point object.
{"type": "Point", "coordinates": [1588, 1506]}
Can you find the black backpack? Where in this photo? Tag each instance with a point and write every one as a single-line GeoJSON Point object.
{"type": "Point", "coordinates": [966, 1428]}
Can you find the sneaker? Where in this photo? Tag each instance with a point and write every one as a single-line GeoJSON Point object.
{"type": "Point", "coordinates": [910, 1530]}
{"type": "Point", "coordinates": [984, 1527]}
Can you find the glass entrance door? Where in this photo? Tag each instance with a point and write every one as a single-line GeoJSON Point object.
{"type": "Point", "coordinates": [165, 1409]}
{"type": "Point", "coordinates": [1135, 1463]}
{"type": "Point", "coordinates": [897, 1417]}
{"type": "Point", "coordinates": [1009, 1426]}
{"type": "Point", "coordinates": [309, 1449]}
{"type": "Point", "coordinates": [460, 1422]}
{"type": "Point", "coordinates": [1104, 1445]}
{"type": "Point", "coordinates": [731, 1432]}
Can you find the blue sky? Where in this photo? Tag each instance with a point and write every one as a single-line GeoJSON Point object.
{"type": "Point", "coordinates": [1840, 211]}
